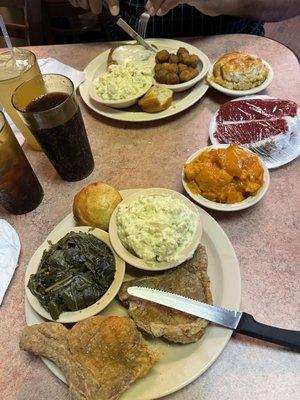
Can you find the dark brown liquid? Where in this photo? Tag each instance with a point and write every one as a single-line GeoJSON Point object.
{"type": "Point", "coordinates": [66, 145]}
{"type": "Point", "coordinates": [20, 190]}
{"type": "Point", "coordinates": [47, 102]}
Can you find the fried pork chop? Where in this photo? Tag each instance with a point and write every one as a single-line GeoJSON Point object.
{"type": "Point", "coordinates": [190, 279]}
{"type": "Point", "coordinates": [100, 356]}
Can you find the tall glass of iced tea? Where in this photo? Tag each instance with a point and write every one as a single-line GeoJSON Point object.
{"type": "Point", "coordinates": [49, 107]}
{"type": "Point", "coordinates": [15, 68]}
{"type": "Point", "coordinates": [20, 190]}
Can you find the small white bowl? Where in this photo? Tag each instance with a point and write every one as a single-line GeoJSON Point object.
{"type": "Point", "coordinates": [239, 93]}
{"type": "Point", "coordinates": [250, 201]}
{"type": "Point", "coordinates": [75, 316]}
{"type": "Point", "coordinates": [137, 262]}
{"type": "Point", "coordinates": [203, 67]}
{"type": "Point", "coordinates": [117, 103]}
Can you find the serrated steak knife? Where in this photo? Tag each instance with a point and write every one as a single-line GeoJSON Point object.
{"type": "Point", "coordinates": [240, 322]}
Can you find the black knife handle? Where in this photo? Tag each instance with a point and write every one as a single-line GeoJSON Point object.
{"type": "Point", "coordinates": [284, 337]}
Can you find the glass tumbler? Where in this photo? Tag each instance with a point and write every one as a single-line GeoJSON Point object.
{"type": "Point", "coordinates": [49, 107]}
{"type": "Point", "coordinates": [20, 190]}
{"type": "Point", "coordinates": [15, 68]}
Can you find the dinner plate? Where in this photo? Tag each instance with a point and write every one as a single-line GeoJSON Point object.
{"type": "Point", "coordinates": [179, 364]}
{"type": "Point", "coordinates": [277, 158]}
{"type": "Point", "coordinates": [241, 205]}
{"type": "Point", "coordinates": [181, 102]}
{"type": "Point", "coordinates": [246, 92]}
{"type": "Point", "coordinates": [137, 262]}
{"type": "Point", "coordinates": [75, 316]}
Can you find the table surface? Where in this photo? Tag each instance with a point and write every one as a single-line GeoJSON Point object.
{"type": "Point", "coordinates": [265, 237]}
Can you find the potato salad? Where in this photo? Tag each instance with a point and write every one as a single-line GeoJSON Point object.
{"type": "Point", "coordinates": [123, 82]}
{"type": "Point", "coordinates": [156, 228]}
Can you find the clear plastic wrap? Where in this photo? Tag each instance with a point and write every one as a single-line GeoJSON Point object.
{"type": "Point", "coordinates": [267, 125]}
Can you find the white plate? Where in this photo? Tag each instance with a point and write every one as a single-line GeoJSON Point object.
{"type": "Point", "coordinates": [74, 316]}
{"type": "Point", "coordinates": [250, 201]}
{"type": "Point", "coordinates": [179, 364]}
{"type": "Point", "coordinates": [181, 101]}
{"type": "Point", "coordinates": [137, 262]}
{"type": "Point", "coordinates": [239, 93]}
{"type": "Point", "coordinates": [277, 158]}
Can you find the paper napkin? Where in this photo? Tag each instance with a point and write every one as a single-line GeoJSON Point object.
{"type": "Point", "coordinates": [9, 255]}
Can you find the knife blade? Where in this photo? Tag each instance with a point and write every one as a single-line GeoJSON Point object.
{"type": "Point", "coordinates": [238, 321]}
{"type": "Point", "coordinates": [132, 33]}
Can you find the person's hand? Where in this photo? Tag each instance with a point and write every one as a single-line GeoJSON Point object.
{"type": "Point", "coordinates": [96, 5]}
{"type": "Point", "coordinates": [208, 7]}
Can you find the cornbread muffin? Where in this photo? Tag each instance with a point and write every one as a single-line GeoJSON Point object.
{"type": "Point", "coordinates": [239, 71]}
{"type": "Point", "coordinates": [94, 204]}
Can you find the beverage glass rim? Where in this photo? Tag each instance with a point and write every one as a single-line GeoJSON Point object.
{"type": "Point", "coordinates": [49, 109]}
{"type": "Point", "coordinates": [35, 61]}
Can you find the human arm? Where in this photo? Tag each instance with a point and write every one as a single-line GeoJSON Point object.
{"type": "Point", "coordinates": [96, 5]}
{"type": "Point", "coordinates": [264, 10]}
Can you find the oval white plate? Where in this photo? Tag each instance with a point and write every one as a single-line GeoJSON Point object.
{"type": "Point", "coordinates": [181, 101]}
{"type": "Point", "coordinates": [117, 103]}
{"type": "Point", "coordinates": [137, 262]}
{"type": "Point", "coordinates": [276, 159]}
{"type": "Point", "coordinates": [239, 93]}
{"type": "Point", "coordinates": [74, 316]}
{"type": "Point", "coordinates": [179, 364]}
{"type": "Point", "coordinates": [250, 201]}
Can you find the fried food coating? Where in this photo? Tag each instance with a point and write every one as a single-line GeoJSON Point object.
{"type": "Point", "coordinates": [168, 78]}
{"type": "Point", "coordinates": [162, 56]}
{"type": "Point", "coordinates": [181, 67]}
{"type": "Point", "coordinates": [182, 50]}
{"type": "Point", "coordinates": [158, 67]}
{"type": "Point", "coordinates": [194, 59]}
{"type": "Point", "coordinates": [173, 59]}
{"type": "Point", "coordinates": [100, 356]}
{"type": "Point", "coordinates": [170, 67]}
{"type": "Point", "coordinates": [188, 74]}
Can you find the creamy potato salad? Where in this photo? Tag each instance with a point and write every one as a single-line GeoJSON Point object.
{"type": "Point", "coordinates": [122, 82]}
{"type": "Point", "coordinates": [155, 227]}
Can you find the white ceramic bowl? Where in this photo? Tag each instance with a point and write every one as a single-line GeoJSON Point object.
{"type": "Point", "coordinates": [203, 67]}
{"type": "Point", "coordinates": [75, 316]}
{"type": "Point", "coordinates": [239, 93]}
{"type": "Point", "coordinates": [117, 103]}
{"type": "Point", "coordinates": [250, 201]}
{"type": "Point", "coordinates": [137, 262]}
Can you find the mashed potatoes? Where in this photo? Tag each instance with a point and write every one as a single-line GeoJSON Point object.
{"type": "Point", "coordinates": [123, 82]}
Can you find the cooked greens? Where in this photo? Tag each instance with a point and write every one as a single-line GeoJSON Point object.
{"type": "Point", "coordinates": [73, 274]}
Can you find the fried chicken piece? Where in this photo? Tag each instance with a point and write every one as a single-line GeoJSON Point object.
{"type": "Point", "coordinates": [169, 78]}
{"type": "Point", "coordinates": [181, 51]}
{"type": "Point", "coordinates": [162, 56]}
{"type": "Point", "coordinates": [193, 61]}
{"type": "Point", "coordinates": [170, 67]}
{"type": "Point", "coordinates": [190, 279]}
{"type": "Point", "coordinates": [100, 356]}
{"type": "Point", "coordinates": [188, 74]}
{"type": "Point", "coordinates": [181, 67]}
{"type": "Point", "coordinates": [173, 59]}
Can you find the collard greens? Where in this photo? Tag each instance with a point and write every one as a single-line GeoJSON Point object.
{"type": "Point", "coordinates": [73, 274]}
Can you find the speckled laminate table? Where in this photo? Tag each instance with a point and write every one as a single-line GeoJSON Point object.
{"type": "Point", "coordinates": [265, 237]}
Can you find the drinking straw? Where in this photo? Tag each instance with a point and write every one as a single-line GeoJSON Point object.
{"type": "Point", "coordinates": [6, 37]}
